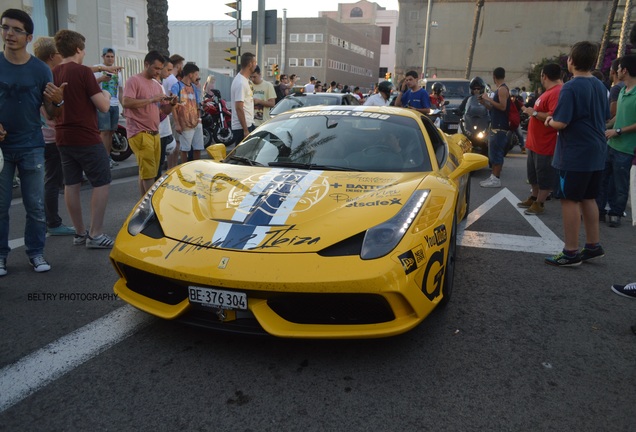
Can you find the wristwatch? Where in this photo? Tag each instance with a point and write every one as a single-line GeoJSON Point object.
{"type": "Point", "coordinates": [58, 104]}
{"type": "Point", "coordinates": [619, 131]}
{"type": "Point", "coordinates": [534, 113]}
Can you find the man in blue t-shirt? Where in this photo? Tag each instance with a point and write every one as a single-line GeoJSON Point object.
{"type": "Point", "coordinates": [412, 95]}
{"type": "Point", "coordinates": [579, 156]}
{"type": "Point", "coordinates": [26, 85]}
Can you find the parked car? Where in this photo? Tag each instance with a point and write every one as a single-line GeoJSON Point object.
{"type": "Point", "coordinates": [300, 99]}
{"type": "Point", "coordinates": [456, 90]}
{"type": "Point", "coordinates": [325, 222]}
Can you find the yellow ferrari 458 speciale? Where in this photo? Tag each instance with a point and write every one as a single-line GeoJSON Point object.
{"type": "Point", "coordinates": [325, 222]}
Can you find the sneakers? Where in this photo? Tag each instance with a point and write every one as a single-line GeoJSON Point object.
{"type": "Point", "coordinates": [563, 260]}
{"type": "Point", "coordinates": [39, 264]}
{"type": "Point", "coordinates": [527, 203]}
{"type": "Point", "coordinates": [590, 254]}
{"type": "Point", "coordinates": [535, 209]}
{"type": "Point", "coordinates": [491, 182]}
{"type": "Point", "coordinates": [80, 239]}
{"type": "Point", "coordinates": [112, 163]}
{"type": "Point", "coordinates": [614, 221]}
{"type": "Point", "coordinates": [61, 230]}
{"type": "Point", "coordinates": [628, 290]}
{"type": "Point", "coordinates": [3, 266]}
{"type": "Point", "coordinates": [100, 242]}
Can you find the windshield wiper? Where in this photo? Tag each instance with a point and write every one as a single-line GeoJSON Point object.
{"type": "Point", "coordinates": [312, 166]}
{"type": "Point", "coordinates": [245, 160]}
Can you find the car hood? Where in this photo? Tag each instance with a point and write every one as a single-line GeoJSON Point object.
{"type": "Point", "coordinates": [237, 207]}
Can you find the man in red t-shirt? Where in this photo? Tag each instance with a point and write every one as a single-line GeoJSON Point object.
{"type": "Point", "coordinates": [541, 141]}
{"type": "Point", "coordinates": [78, 139]}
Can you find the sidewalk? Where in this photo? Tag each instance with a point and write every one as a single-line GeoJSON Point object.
{"type": "Point", "coordinates": [126, 168]}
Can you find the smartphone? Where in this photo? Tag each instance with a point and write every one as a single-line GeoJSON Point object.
{"type": "Point", "coordinates": [109, 74]}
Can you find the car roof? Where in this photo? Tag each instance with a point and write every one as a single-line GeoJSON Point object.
{"type": "Point", "coordinates": [357, 108]}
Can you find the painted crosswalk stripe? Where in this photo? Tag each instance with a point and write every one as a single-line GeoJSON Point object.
{"type": "Point", "coordinates": [31, 373]}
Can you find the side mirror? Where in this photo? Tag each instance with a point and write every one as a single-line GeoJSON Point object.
{"type": "Point", "coordinates": [217, 152]}
{"type": "Point", "coordinates": [446, 102]}
{"type": "Point", "coordinates": [470, 162]}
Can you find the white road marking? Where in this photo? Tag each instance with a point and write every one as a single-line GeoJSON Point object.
{"type": "Point", "coordinates": [547, 243]}
{"type": "Point", "coordinates": [31, 373]}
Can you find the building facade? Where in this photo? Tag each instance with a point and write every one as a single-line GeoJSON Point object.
{"type": "Point", "coordinates": [511, 33]}
{"type": "Point", "coordinates": [117, 24]}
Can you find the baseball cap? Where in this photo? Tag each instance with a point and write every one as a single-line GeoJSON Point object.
{"type": "Point", "coordinates": [313, 78]}
{"type": "Point", "coordinates": [107, 50]}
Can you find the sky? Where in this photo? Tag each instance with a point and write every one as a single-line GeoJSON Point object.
{"type": "Point", "coordinates": [216, 9]}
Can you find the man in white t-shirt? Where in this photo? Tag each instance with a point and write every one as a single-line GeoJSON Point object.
{"type": "Point", "coordinates": [242, 97]}
{"type": "Point", "coordinates": [310, 87]}
{"type": "Point", "coordinates": [264, 97]}
{"type": "Point", "coordinates": [381, 98]}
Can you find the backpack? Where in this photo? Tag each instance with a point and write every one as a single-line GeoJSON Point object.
{"type": "Point", "coordinates": [514, 118]}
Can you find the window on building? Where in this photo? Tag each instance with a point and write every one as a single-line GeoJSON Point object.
{"type": "Point", "coordinates": [356, 12]}
{"type": "Point", "coordinates": [309, 62]}
{"type": "Point", "coordinates": [294, 37]}
{"type": "Point", "coordinates": [45, 17]}
{"type": "Point", "coordinates": [130, 27]}
{"type": "Point", "coordinates": [293, 62]}
{"type": "Point", "coordinates": [386, 35]}
{"type": "Point", "coordinates": [271, 61]}
{"type": "Point", "coordinates": [383, 72]}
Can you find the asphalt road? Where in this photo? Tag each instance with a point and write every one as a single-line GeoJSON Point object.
{"type": "Point", "coordinates": [520, 347]}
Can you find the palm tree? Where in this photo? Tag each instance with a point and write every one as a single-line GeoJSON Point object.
{"type": "Point", "coordinates": [469, 66]}
{"type": "Point", "coordinates": [606, 35]}
{"type": "Point", "coordinates": [158, 26]}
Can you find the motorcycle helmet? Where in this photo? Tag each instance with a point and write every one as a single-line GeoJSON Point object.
{"type": "Point", "coordinates": [385, 87]}
{"type": "Point", "coordinates": [514, 92]}
{"type": "Point", "coordinates": [477, 83]}
{"type": "Point", "coordinates": [438, 88]}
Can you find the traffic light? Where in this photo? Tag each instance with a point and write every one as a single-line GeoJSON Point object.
{"type": "Point", "coordinates": [233, 56]}
{"type": "Point", "coordinates": [275, 70]}
{"type": "Point", "coordinates": [387, 76]}
{"type": "Point", "coordinates": [237, 8]}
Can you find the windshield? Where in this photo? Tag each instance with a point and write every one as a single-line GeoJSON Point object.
{"type": "Point", "coordinates": [336, 140]}
{"type": "Point", "coordinates": [293, 102]}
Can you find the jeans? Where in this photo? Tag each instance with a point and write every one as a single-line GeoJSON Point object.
{"type": "Point", "coordinates": [615, 183]}
{"type": "Point", "coordinates": [53, 182]}
{"type": "Point", "coordinates": [30, 165]}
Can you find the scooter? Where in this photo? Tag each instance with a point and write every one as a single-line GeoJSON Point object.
{"type": "Point", "coordinates": [475, 124]}
{"type": "Point", "coordinates": [120, 149]}
{"type": "Point", "coordinates": [216, 120]}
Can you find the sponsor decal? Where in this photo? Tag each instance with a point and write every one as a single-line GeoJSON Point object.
{"type": "Point", "coordinates": [438, 238]}
{"type": "Point", "coordinates": [364, 178]}
{"type": "Point", "coordinates": [376, 203]}
{"type": "Point", "coordinates": [413, 259]}
{"type": "Point", "coordinates": [358, 187]}
{"type": "Point", "coordinates": [437, 275]}
{"type": "Point", "coordinates": [182, 190]}
{"type": "Point", "coordinates": [339, 197]}
{"type": "Point", "coordinates": [341, 113]}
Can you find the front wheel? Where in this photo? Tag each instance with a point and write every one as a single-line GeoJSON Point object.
{"type": "Point", "coordinates": [207, 137]}
{"type": "Point", "coordinates": [120, 149]}
{"type": "Point", "coordinates": [449, 273]}
{"type": "Point", "coordinates": [223, 136]}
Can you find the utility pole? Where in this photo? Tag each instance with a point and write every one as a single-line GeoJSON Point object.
{"type": "Point", "coordinates": [260, 34]}
{"type": "Point", "coordinates": [429, 7]}
{"type": "Point", "coordinates": [478, 5]}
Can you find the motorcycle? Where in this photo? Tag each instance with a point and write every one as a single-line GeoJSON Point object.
{"type": "Point", "coordinates": [216, 120]}
{"type": "Point", "coordinates": [475, 124]}
{"type": "Point", "coordinates": [120, 150]}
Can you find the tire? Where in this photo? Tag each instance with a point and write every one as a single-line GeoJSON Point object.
{"type": "Point", "coordinates": [207, 137]}
{"type": "Point", "coordinates": [512, 141]}
{"type": "Point", "coordinates": [223, 136]}
{"type": "Point", "coordinates": [449, 272]}
{"type": "Point", "coordinates": [120, 148]}
{"type": "Point", "coordinates": [467, 197]}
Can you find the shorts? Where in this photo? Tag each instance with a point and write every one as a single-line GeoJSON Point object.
{"type": "Point", "coordinates": [540, 170]}
{"type": "Point", "coordinates": [578, 185]}
{"type": "Point", "coordinates": [497, 146]}
{"type": "Point", "coordinates": [109, 120]}
{"type": "Point", "coordinates": [147, 149]}
{"type": "Point", "coordinates": [191, 139]}
{"type": "Point", "coordinates": [92, 160]}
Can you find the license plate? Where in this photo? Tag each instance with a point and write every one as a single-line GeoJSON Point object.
{"type": "Point", "coordinates": [453, 126]}
{"type": "Point", "coordinates": [217, 298]}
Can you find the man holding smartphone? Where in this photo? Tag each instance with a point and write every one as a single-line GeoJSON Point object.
{"type": "Point", "coordinates": [111, 82]}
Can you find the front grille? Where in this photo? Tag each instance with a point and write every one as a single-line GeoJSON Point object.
{"type": "Point", "coordinates": [152, 286]}
{"type": "Point", "coordinates": [347, 309]}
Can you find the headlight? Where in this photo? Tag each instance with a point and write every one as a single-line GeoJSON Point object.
{"type": "Point", "coordinates": [383, 238]}
{"type": "Point", "coordinates": [144, 211]}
